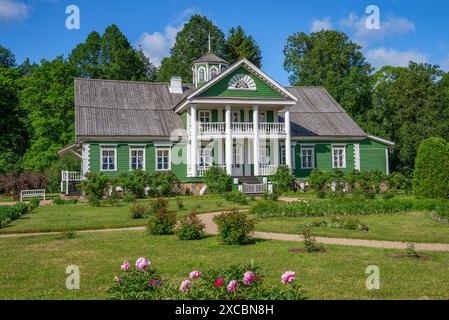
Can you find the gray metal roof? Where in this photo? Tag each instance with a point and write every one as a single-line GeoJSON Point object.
{"type": "Point", "coordinates": [210, 57]}
{"type": "Point", "coordinates": [105, 108]}
{"type": "Point", "coordinates": [316, 113]}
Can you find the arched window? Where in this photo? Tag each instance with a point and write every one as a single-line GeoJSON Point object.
{"type": "Point", "coordinates": [213, 72]}
{"type": "Point", "coordinates": [201, 75]}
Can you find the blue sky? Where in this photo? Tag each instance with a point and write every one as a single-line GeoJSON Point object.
{"type": "Point", "coordinates": [414, 30]}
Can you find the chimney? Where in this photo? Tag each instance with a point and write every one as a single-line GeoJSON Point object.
{"type": "Point", "coordinates": [176, 85]}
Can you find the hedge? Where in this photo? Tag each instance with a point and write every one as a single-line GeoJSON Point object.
{"type": "Point", "coordinates": [11, 213]}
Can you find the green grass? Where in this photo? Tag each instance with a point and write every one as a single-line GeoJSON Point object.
{"type": "Point", "coordinates": [34, 267]}
{"type": "Point", "coordinates": [84, 217]}
{"type": "Point", "coordinates": [413, 227]}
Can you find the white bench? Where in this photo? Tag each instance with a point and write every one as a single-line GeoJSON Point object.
{"type": "Point", "coordinates": [32, 194]}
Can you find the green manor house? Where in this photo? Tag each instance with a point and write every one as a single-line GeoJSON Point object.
{"type": "Point", "coordinates": [233, 116]}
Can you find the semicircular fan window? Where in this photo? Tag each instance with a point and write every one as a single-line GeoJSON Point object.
{"type": "Point", "coordinates": [242, 82]}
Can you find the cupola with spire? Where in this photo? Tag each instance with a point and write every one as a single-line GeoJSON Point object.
{"type": "Point", "coordinates": [207, 67]}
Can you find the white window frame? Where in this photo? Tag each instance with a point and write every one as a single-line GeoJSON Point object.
{"type": "Point", "coordinates": [205, 153]}
{"type": "Point", "coordinates": [283, 160]}
{"type": "Point", "coordinates": [338, 148]}
{"type": "Point", "coordinates": [310, 148]}
{"type": "Point", "coordinates": [265, 155]}
{"type": "Point", "coordinates": [207, 114]}
{"type": "Point", "coordinates": [108, 148]}
{"type": "Point", "coordinates": [204, 74]}
{"type": "Point", "coordinates": [263, 114]}
{"type": "Point", "coordinates": [238, 113]}
{"type": "Point", "coordinates": [156, 158]}
{"type": "Point", "coordinates": [216, 69]}
{"type": "Point", "coordinates": [137, 148]}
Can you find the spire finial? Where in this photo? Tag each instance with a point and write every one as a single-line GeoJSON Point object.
{"type": "Point", "coordinates": [209, 42]}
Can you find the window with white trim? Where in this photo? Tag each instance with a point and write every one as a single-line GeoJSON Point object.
{"type": "Point", "coordinates": [307, 157]}
{"type": "Point", "coordinates": [137, 158]}
{"type": "Point", "coordinates": [163, 162]}
{"type": "Point", "coordinates": [205, 116]}
{"type": "Point", "coordinates": [338, 157]}
{"type": "Point", "coordinates": [283, 161]}
{"type": "Point", "coordinates": [262, 116]}
{"type": "Point", "coordinates": [213, 72]}
{"type": "Point", "coordinates": [264, 155]}
{"type": "Point", "coordinates": [205, 158]}
{"type": "Point", "coordinates": [108, 158]}
{"type": "Point", "coordinates": [201, 75]}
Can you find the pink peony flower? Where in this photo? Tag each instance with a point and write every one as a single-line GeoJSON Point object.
{"type": "Point", "coordinates": [195, 275]}
{"type": "Point", "coordinates": [219, 282]}
{"type": "Point", "coordinates": [185, 286]}
{"type": "Point", "coordinates": [248, 278]}
{"type": "Point", "coordinates": [142, 263]}
{"type": "Point", "coordinates": [125, 266]}
{"type": "Point", "coordinates": [232, 286]}
{"type": "Point", "coordinates": [288, 277]}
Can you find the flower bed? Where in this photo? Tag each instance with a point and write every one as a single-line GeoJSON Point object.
{"type": "Point", "coordinates": [347, 207]}
{"type": "Point", "coordinates": [239, 282]}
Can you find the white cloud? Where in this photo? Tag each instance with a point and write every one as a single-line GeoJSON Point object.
{"type": "Point", "coordinates": [319, 25]}
{"type": "Point", "coordinates": [12, 10]}
{"type": "Point", "coordinates": [382, 56]}
{"type": "Point", "coordinates": [392, 26]}
{"type": "Point", "coordinates": [157, 45]}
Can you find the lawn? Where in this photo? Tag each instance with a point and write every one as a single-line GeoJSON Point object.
{"type": "Point", "coordinates": [34, 267]}
{"type": "Point", "coordinates": [84, 217]}
{"type": "Point", "coordinates": [412, 227]}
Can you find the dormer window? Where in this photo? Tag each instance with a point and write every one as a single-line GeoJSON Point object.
{"type": "Point", "coordinates": [201, 75]}
{"type": "Point", "coordinates": [213, 72]}
{"type": "Point", "coordinates": [242, 82]}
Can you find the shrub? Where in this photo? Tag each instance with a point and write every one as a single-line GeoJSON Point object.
{"type": "Point", "coordinates": [162, 222]}
{"type": "Point", "coordinates": [321, 194]}
{"type": "Point", "coordinates": [114, 199]}
{"type": "Point", "coordinates": [180, 203]}
{"type": "Point", "coordinates": [234, 227]}
{"type": "Point", "coordinates": [217, 180]}
{"type": "Point", "coordinates": [387, 195]}
{"type": "Point", "coordinates": [138, 211]}
{"type": "Point", "coordinates": [163, 184]}
{"type": "Point", "coordinates": [34, 203]}
{"type": "Point", "coordinates": [337, 222]}
{"type": "Point", "coordinates": [431, 174]}
{"type": "Point", "coordinates": [318, 180]}
{"type": "Point", "coordinates": [12, 182]}
{"type": "Point", "coordinates": [157, 205]}
{"type": "Point", "coordinates": [134, 183]}
{"type": "Point", "coordinates": [94, 201]}
{"type": "Point", "coordinates": [397, 181]}
{"type": "Point", "coordinates": [53, 173]}
{"type": "Point", "coordinates": [270, 196]}
{"type": "Point", "coordinates": [11, 213]}
{"type": "Point", "coordinates": [283, 179]}
{"type": "Point", "coordinates": [235, 196]}
{"type": "Point", "coordinates": [68, 234]}
{"type": "Point", "coordinates": [235, 282]}
{"type": "Point", "coordinates": [191, 227]}
{"type": "Point", "coordinates": [95, 186]}
{"type": "Point", "coordinates": [310, 241]}
{"type": "Point", "coordinates": [128, 198]}
{"type": "Point", "coordinates": [370, 195]}
{"type": "Point", "coordinates": [61, 202]}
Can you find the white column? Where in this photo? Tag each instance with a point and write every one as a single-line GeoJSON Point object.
{"type": "Point", "coordinates": [387, 161]}
{"type": "Point", "coordinates": [288, 140]}
{"type": "Point", "coordinates": [193, 140]}
{"type": "Point", "coordinates": [256, 144]}
{"type": "Point", "coordinates": [228, 143]}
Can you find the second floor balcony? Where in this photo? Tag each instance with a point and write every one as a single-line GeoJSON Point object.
{"type": "Point", "coordinates": [219, 128]}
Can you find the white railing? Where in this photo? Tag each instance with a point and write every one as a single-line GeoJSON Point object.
{"type": "Point", "coordinates": [272, 127]}
{"type": "Point", "coordinates": [211, 127]}
{"type": "Point", "coordinates": [268, 170]}
{"type": "Point", "coordinates": [201, 170]}
{"type": "Point", "coordinates": [32, 194]}
{"type": "Point", "coordinates": [242, 127]}
{"type": "Point", "coordinates": [253, 188]}
{"type": "Point", "coordinates": [71, 176]}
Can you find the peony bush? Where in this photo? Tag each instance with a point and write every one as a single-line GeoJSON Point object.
{"type": "Point", "coordinates": [142, 281]}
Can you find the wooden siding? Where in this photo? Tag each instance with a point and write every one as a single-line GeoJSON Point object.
{"type": "Point", "coordinates": [220, 89]}
{"type": "Point", "coordinates": [372, 156]}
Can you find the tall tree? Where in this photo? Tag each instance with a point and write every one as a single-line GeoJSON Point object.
{"type": "Point", "coordinates": [47, 98]}
{"type": "Point", "coordinates": [13, 134]}
{"type": "Point", "coordinates": [409, 106]}
{"type": "Point", "coordinates": [330, 59]}
{"type": "Point", "coordinates": [109, 56]}
{"type": "Point", "coordinates": [239, 45]}
{"type": "Point", "coordinates": [191, 43]}
{"type": "Point", "coordinates": [7, 58]}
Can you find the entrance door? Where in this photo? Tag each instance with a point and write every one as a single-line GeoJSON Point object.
{"type": "Point", "coordinates": [237, 166]}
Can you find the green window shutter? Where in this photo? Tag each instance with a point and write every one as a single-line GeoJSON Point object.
{"type": "Point", "coordinates": [214, 115]}
{"type": "Point", "coordinates": [242, 116]}
{"type": "Point", "coordinates": [270, 116]}
{"type": "Point", "coordinates": [250, 116]}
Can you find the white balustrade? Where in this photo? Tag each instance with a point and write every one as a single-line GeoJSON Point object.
{"type": "Point", "coordinates": [272, 127]}
{"type": "Point", "coordinates": [211, 127]}
{"type": "Point", "coordinates": [201, 170]}
{"type": "Point", "coordinates": [242, 127]}
{"type": "Point", "coordinates": [253, 188]}
{"type": "Point", "coordinates": [268, 170]}
{"type": "Point", "coordinates": [71, 176]}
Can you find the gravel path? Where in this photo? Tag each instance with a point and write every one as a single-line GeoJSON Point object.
{"type": "Point", "coordinates": [211, 228]}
